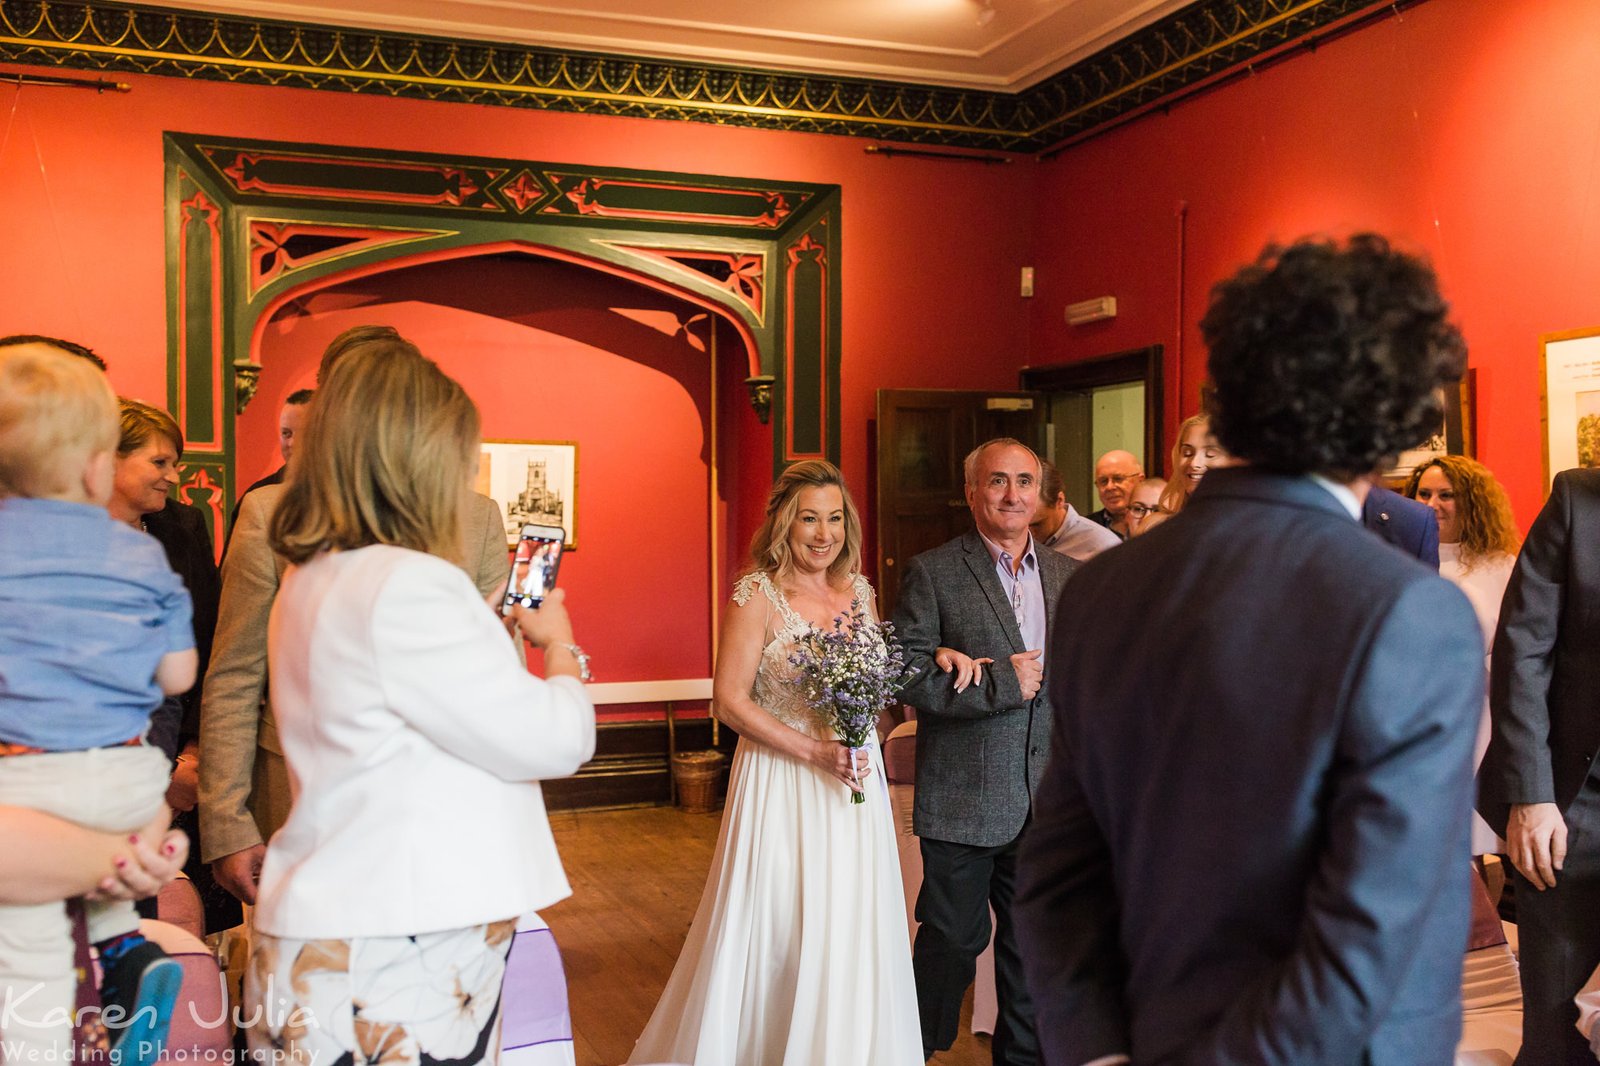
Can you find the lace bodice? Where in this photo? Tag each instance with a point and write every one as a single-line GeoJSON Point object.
{"type": "Point", "coordinates": [776, 690]}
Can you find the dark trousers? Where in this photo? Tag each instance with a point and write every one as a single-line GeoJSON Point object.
{"type": "Point", "coordinates": [1558, 934]}
{"type": "Point", "coordinates": [960, 882]}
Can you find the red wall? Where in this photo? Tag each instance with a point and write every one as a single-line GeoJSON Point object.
{"type": "Point", "coordinates": [550, 351]}
{"type": "Point", "coordinates": [1467, 129]}
{"type": "Point", "coordinates": [930, 257]}
{"type": "Point", "coordinates": [931, 250]}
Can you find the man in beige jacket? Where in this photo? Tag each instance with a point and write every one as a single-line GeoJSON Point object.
{"type": "Point", "coordinates": [244, 783]}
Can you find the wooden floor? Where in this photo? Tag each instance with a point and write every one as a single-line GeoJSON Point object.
{"type": "Point", "coordinates": [636, 879]}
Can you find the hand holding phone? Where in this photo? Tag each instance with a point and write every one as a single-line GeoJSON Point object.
{"type": "Point", "coordinates": [534, 569]}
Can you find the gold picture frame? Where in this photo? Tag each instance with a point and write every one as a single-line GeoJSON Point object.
{"type": "Point", "coordinates": [1569, 400]}
{"type": "Point", "coordinates": [533, 481]}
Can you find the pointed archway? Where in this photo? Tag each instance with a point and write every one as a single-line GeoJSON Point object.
{"type": "Point", "coordinates": [250, 224]}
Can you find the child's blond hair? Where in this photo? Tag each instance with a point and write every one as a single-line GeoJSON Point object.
{"type": "Point", "coordinates": [56, 410]}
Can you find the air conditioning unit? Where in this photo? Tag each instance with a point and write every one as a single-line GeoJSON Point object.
{"type": "Point", "coordinates": [1094, 310]}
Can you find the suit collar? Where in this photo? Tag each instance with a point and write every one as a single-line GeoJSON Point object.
{"type": "Point", "coordinates": [1253, 483]}
{"type": "Point", "coordinates": [982, 565]}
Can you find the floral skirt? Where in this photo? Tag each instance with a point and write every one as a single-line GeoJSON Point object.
{"type": "Point", "coordinates": [401, 1001]}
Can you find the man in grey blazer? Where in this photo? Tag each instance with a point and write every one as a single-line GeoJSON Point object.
{"type": "Point", "coordinates": [1251, 843]}
{"type": "Point", "coordinates": [980, 751]}
{"type": "Point", "coordinates": [244, 782]}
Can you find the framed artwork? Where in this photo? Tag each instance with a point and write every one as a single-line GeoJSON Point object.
{"type": "Point", "coordinates": [1456, 434]}
{"type": "Point", "coordinates": [1569, 400]}
{"type": "Point", "coordinates": [532, 481]}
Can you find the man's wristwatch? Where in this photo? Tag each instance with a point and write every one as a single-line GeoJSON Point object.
{"type": "Point", "coordinates": [582, 658]}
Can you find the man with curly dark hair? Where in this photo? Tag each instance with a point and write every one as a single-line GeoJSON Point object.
{"type": "Point", "coordinates": [1253, 849]}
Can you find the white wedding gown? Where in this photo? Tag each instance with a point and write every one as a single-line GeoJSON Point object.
{"type": "Point", "coordinates": [799, 954]}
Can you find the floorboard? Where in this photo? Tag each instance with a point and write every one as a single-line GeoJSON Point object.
{"type": "Point", "coordinates": [636, 879]}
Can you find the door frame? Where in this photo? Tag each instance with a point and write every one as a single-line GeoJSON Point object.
{"type": "Point", "coordinates": [1119, 368]}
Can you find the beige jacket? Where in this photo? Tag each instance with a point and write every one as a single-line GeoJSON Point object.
{"type": "Point", "coordinates": [244, 793]}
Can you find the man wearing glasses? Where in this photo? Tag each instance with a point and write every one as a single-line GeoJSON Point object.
{"type": "Point", "coordinates": [1116, 475]}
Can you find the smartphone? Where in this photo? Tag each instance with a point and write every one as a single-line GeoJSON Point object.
{"type": "Point", "coordinates": [533, 570]}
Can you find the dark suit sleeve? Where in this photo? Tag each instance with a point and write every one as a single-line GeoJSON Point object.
{"type": "Point", "coordinates": [1067, 921]}
{"type": "Point", "coordinates": [205, 588]}
{"type": "Point", "coordinates": [918, 623]}
{"type": "Point", "coordinates": [1398, 799]}
{"type": "Point", "coordinates": [1517, 767]}
{"type": "Point", "coordinates": [1428, 543]}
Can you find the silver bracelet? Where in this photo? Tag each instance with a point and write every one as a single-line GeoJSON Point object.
{"type": "Point", "coordinates": [582, 658]}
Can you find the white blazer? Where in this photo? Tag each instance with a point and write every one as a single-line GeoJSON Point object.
{"type": "Point", "coordinates": [416, 738]}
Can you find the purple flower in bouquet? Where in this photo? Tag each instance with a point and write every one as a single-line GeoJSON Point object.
{"type": "Point", "coordinates": [848, 673]}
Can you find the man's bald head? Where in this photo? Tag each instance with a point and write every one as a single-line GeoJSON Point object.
{"type": "Point", "coordinates": [1115, 476]}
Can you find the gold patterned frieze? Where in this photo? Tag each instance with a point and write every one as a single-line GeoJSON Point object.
{"type": "Point", "coordinates": [1163, 60]}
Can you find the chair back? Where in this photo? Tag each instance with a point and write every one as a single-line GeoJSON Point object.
{"type": "Point", "coordinates": [202, 1030]}
{"type": "Point", "coordinates": [900, 754]}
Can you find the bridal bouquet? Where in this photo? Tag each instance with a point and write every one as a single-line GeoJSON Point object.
{"type": "Point", "coordinates": [848, 674]}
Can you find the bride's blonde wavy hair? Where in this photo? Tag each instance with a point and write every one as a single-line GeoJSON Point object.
{"type": "Point", "coordinates": [769, 548]}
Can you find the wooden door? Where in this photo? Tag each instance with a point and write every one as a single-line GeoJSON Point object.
{"type": "Point", "coordinates": [923, 436]}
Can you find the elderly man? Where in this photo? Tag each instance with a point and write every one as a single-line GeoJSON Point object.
{"type": "Point", "coordinates": [1058, 526]}
{"type": "Point", "coordinates": [1116, 475]}
{"type": "Point", "coordinates": [1253, 848]}
{"type": "Point", "coordinates": [981, 748]}
{"type": "Point", "coordinates": [244, 782]}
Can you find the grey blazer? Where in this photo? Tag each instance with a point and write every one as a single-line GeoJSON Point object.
{"type": "Point", "coordinates": [980, 753]}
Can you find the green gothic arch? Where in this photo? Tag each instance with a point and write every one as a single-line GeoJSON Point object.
{"type": "Point", "coordinates": [253, 224]}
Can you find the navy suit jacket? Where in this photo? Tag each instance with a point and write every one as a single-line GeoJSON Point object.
{"type": "Point", "coordinates": [1250, 844]}
{"type": "Point", "coordinates": [1407, 524]}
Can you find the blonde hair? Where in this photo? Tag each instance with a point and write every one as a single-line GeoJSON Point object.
{"type": "Point", "coordinates": [1176, 494]}
{"type": "Point", "coordinates": [56, 411]}
{"type": "Point", "coordinates": [769, 548]}
{"type": "Point", "coordinates": [140, 422]}
{"type": "Point", "coordinates": [1482, 509]}
{"type": "Point", "coordinates": [385, 456]}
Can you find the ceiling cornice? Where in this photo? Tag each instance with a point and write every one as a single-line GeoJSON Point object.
{"type": "Point", "coordinates": [1170, 58]}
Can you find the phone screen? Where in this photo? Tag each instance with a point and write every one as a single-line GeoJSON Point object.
{"type": "Point", "coordinates": [533, 571]}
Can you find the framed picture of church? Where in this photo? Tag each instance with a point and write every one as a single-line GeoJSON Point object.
{"type": "Point", "coordinates": [532, 481]}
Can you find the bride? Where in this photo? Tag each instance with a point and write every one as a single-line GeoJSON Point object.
{"type": "Point", "coordinates": [799, 952]}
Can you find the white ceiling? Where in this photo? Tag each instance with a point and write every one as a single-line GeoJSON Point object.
{"type": "Point", "coordinates": [938, 42]}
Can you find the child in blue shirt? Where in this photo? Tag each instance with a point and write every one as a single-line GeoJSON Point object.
{"type": "Point", "coordinates": [94, 629]}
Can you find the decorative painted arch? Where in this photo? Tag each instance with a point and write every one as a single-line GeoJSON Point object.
{"type": "Point", "coordinates": [254, 224]}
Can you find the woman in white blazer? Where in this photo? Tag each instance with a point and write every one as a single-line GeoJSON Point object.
{"type": "Point", "coordinates": [414, 734]}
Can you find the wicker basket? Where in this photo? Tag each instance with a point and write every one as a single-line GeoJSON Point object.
{"type": "Point", "coordinates": [697, 775]}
